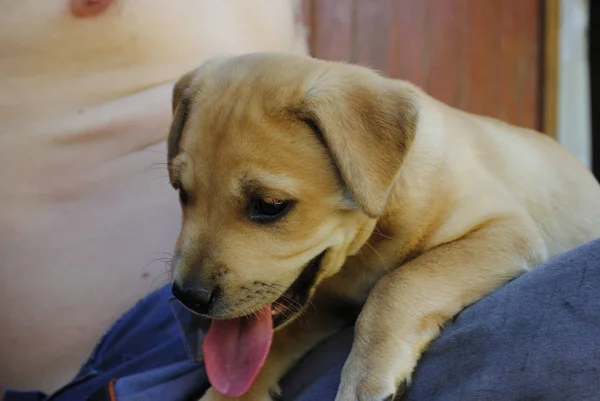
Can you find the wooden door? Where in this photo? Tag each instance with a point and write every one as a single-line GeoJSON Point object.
{"type": "Point", "coordinates": [483, 56]}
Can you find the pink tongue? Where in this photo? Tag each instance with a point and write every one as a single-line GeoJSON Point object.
{"type": "Point", "coordinates": [235, 351]}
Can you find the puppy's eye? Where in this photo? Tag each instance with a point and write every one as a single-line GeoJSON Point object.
{"type": "Point", "coordinates": [268, 210]}
{"type": "Point", "coordinates": [183, 196]}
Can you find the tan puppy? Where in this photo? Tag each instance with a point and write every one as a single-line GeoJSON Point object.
{"type": "Point", "coordinates": [311, 190]}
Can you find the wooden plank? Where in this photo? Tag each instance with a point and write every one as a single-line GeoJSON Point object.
{"type": "Point", "coordinates": [483, 56]}
{"type": "Point", "coordinates": [374, 28]}
{"type": "Point", "coordinates": [551, 52]}
{"type": "Point", "coordinates": [445, 53]}
{"type": "Point", "coordinates": [332, 29]}
{"type": "Point", "coordinates": [306, 10]}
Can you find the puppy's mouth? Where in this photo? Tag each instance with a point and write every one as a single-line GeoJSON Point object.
{"type": "Point", "coordinates": [293, 301]}
{"type": "Point", "coordinates": [236, 349]}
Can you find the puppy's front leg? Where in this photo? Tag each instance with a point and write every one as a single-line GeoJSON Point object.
{"type": "Point", "coordinates": [289, 344]}
{"type": "Point", "coordinates": [407, 307]}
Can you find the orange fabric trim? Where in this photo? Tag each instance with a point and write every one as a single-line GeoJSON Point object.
{"type": "Point", "coordinates": [111, 390]}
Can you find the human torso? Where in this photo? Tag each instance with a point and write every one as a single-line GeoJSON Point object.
{"type": "Point", "coordinates": [88, 218]}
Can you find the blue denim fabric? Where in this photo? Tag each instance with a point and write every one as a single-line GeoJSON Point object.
{"type": "Point", "coordinates": [146, 338]}
{"type": "Point", "coordinates": [536, 338]}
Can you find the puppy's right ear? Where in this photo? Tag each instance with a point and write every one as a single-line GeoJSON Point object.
{"type": "Point", "coordinates": [182, 99]}
{"type": "Point", "coordinates": [180, 106]}
{"type": "Point", "coordinates": [368, 124]}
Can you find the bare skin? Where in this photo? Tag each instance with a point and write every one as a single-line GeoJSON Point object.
{"type": "Point", "coordinates": [85, 109]}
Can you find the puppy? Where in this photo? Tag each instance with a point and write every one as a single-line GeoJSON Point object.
{"type": "Point", "coordinates": [315, 194]}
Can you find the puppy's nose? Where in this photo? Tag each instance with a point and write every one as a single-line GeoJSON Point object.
{"type": "Point", "coordinates": [197, 298]}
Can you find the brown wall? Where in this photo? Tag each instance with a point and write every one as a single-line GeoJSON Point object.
{"type": "Point", "coordinates": [483, 56]}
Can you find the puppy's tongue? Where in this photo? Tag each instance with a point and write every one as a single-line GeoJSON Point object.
{"type": "Point", "coordinates": [235, 351]}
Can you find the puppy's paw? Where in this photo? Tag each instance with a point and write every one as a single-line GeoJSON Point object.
{"type": "Point", "coordinates": [365, 379]}
{"type": "Point", "coordinates": [368, 388]}
{"type": "Point", "coordinates": [253, 395]}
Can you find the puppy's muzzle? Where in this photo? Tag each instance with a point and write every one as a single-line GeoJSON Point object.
{"type": "Point", "coordinates": [196, 297]}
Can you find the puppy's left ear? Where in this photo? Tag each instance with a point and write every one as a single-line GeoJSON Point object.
{"type": "Point", "coordinates": [180, 105]}
{"type": "Point", "coordinates": [368, 123]}
{"type": "Point", "coordinates": [182, 99]}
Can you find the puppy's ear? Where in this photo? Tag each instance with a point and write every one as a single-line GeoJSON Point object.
{"type": "Point", "coordinates": [368, 124]}
{"type": "Point", "coordinates": [181, 101]}
{"type": "Point", "coordinates": [180, 106]}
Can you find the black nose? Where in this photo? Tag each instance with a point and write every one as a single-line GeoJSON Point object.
{"type": "Point", "coordinates": [197, 298]}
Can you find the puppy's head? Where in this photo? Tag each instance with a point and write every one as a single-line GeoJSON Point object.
{"type": "Point", "coordinates": [283, 164]}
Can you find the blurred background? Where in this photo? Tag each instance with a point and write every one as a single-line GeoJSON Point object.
{"type": "Point", "coordinates": [87, 218]}
{"type": "Point", "coordinates": [523, 61]}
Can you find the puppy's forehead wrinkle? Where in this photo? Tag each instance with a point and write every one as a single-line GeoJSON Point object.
{"type": "Point", "coordinates": [258, 180]}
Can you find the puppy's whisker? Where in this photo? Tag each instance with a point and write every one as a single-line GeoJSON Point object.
{"type": "Point", "coordinates": [255, 313]}
{"type": "Point", "coordinates": [158, 168]}
{"type": "Point", "coordinates": [165, 260]}
{"type": "Point", "coordinates": [376, 231]}
{"type": "Point", "coordinates": [284, 311]}
{"type": "Point", "coordinates": [164, 253]}
{"type": "Point", "coordinates": [160, 164]}
{"type": "Point", "coordinates": [154, 151]}
{"type": "Point", "coordinates": [293, 302]}
{"type": "Point", "coordinates": [278, 287]}
{"type": "Point", "coordinates": [281, 294]}
{"type": "Point", "coordinates": [275, 285]}
{"type": "Point", "coordinates": [376, 252]}
{"type": "Point", "coordinates": [165, 279]}
{"type": "Point", "coordinates": [360, 253]}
